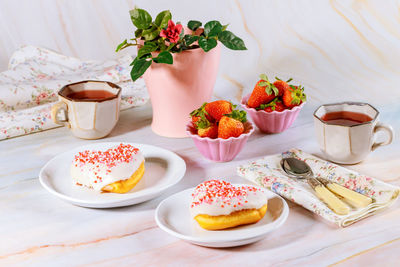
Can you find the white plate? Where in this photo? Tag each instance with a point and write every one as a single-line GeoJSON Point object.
{"type": "Point", "coordinates": [163, 169]}
{"type": "Point", "coordinates": [173, 216]}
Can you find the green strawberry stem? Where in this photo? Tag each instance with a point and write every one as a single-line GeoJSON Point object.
{"type": "Point", "coordinates": [239, 115]}
{"type": "Point", "coordinates": [269, 87]}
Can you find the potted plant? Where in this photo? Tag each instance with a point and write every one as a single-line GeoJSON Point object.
{"type": "Point", "coordinates": [179, 65]}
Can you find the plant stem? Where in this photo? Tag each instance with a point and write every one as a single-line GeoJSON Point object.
{"type": "Point", "coordinates": [171, 46]}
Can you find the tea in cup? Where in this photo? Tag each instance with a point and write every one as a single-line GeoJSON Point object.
{"type": "Point", "coordinates": [89, 108]}
{"type": "Point", "coordinates": [346, 132]}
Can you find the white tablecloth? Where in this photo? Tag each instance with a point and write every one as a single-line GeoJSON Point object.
{"type": "Point", "coordinates": [29, 87]}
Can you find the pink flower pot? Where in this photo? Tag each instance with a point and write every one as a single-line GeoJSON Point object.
{"type": "Point", "coordinates": [272, 122]}
{"type": "Point", "coordinates": [176, 90]}
{"type": "Point", "coordinates": [220, 150]}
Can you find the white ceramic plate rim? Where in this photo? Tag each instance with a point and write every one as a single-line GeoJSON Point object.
{"type": "Point", "coordinates": [270, 226]}
{"type": "Point", "coordinates": [154, 191]}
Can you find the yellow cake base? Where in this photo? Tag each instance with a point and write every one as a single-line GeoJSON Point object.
{"type": "Point", "coordinates": [124, 186]}
{"type": "Point", "coordinates": [234, 219]}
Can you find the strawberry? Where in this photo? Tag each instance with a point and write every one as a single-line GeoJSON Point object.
{"type": "Point", "coordinates": [195, 119]}
{"type": "Point", "coordinates": [280, 106]}
{"type": "Point", "coordinates": [274, 105]}
{"type": "Point", "coordinates": [199, 114]}
{"type": "Point", "coordinates": [204, 127]}
{"type": "Point", "coordinates": [281, 85]}
{"type": "Point", "coordinates": [293, 96]}
{"type": "Point", "coordinates": [268, 109]}
{"type": "Point", "coordinates": [211, 131]}
{"type": "Point", "coordinates": [219, 108]}
{"type": "Point", "coordinates": [231, 125]}
{"type": "Point", "coordinates": [263, 92]}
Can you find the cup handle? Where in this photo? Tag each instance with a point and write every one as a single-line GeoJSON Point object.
{"type": "Point", "coordinates": [386, 128]}
{"type": "Point", "coordinates": [59, 113]}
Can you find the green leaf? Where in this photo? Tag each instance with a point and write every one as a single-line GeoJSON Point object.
{"type": "Point", "coordinates": [140, 18]}
{"type": "Point", "coordinates": [151, 34]}
{"type": "Point", "coordinates": [150, 44]}
{"type": "Point", "coordinates": [278, 79]}
{"type": "Point", "coordinates": [224, 27]}
{"type": "Point", "coordinates": [239, 115]}
{"type": "Point", "coordinates": [137, 58]}
{"type": "Point", "coordinates": [203, 123]}
{"type": "Point", "coordinates": [139, 68]}
{"type": "Point", "coordinates": [121, 45]}
{"type": "Point", "coordinates": [198, 112]}
{"type": "Point", "coordinates": [138, 33]}
{"type": "Point", "coordinates": [161, 44]}
{"type": "Point", "coordinates": [182, 32]}
{"type": "Point", "coordinates": [207, 44]}
{"type": "Point", "coordinates": [274, 89]}
{"type": "Point", "coordinates": [194, 24]}
{"type": "Point", "coordinates": [134, 61]}
{"type": "Point", "coordinates": [231, 41]}
{"type": "Point", "coordinates": [271, 89]}
{"type": "Point", "coordinates": [271, 104]}
{"type": "Point", "coordinates": [164, 57]}
{"type": "Point", "coordinates": [304, 97]}
{"type": "Point", "coordinates": [212, 28]}
{"type": "Point", "coordinates": [163, 18]}
{"type": "Point", "coordinates": [190, 39]}
{"type": "Point", "coordinates": [147, 49]}
{"type": "Point", "coordinates": [263, 77]}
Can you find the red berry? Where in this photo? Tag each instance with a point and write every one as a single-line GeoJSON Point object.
{"type": "Point", "coordinates": [219, 108]}
{"type": "Point", "coordinates": [282, 86]}
{"type": "Point", "coordinates": [211, 131]}
{"type": "Point", "coordinates": [229, 127]}
{"type": "Point", "coordinates": [293, 96]}
{"type": "Point", "coordinates": [262, 93]}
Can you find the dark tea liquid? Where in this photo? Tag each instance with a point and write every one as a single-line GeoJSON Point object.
{"type": "Point", "coordinates": [345, 118]}
{"type": "Point", "coordinates": [90, 95]}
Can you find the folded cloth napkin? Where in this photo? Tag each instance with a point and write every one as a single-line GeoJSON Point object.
{"type": "Point", "coordinates": [29, 87]}
{"type": "Point", "coordinates": [268, 173]}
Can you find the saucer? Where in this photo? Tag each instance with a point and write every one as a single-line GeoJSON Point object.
{"type": "Point", "coordinates": [163, 170]}
{"type": "Point", "coordinates": [173, 216]}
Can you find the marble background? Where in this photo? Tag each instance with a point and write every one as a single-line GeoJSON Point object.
{"type": "Point", "coordinates": [339, 50]}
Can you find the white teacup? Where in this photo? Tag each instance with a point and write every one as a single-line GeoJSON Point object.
{"type": "Point", "coordinates": [90, 115]}
{"type": "Point", "coordinates": [349, 144]}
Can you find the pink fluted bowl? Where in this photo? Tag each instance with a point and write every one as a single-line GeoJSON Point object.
{"type": "Point", "coordinates": [220, 150]}
{"type": "Point", "coordinates": [272, 122]}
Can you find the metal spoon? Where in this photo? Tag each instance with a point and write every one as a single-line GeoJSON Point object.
{"type": "Point", "coordinates": [298, 169]}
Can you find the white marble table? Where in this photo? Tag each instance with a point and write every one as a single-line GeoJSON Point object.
{"type": "Point", "coordinates": [38, 229]}
{"type": "Point", "coordinates": [339, 50]}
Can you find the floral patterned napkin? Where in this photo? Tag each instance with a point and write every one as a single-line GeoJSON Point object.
{"type": "Point", "coordinates": [268, 173]}
{"type": "Point", "coordinates": [30, 85]}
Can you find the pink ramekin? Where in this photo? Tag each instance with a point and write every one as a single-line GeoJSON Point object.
{"type": "Point", "coordinates": [220, 150]}
{"type": "Point", "coordinates": [272, 122]}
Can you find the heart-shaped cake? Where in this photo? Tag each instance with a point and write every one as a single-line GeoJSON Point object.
{"type": "Point", "coordinates": [218, 204]}
{"type": "Point", "coordinates": [116, 170]}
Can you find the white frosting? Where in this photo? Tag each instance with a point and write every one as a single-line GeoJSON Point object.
{"type": "Point", "coordinates": [228, 201]}
{"type": "Point", "coordinates": [88, 173]}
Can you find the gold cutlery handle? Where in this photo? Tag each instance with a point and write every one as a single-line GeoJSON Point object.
{"type": "Point", "coordinates": [355, 199]}
{"type": "Point", "coordinates": [332, 201]}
